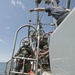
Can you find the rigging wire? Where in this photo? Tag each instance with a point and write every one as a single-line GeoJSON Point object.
{"type": "Point", "coordinates": [30, 18]}
{"type": "Point", "coordinates": [47, 24]}
{"type": "Point", "coordinates": [41, 16]}
{"type": "Point", "coordinates": [45, 5]}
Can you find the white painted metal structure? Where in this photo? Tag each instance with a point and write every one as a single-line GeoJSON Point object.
{"type": "Point", "coordinates": [62, 47]}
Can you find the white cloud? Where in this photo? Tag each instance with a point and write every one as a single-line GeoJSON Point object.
{"type": "Point", "coordinates": [7, 27]}
{"type": "Point", "coordinates": [8, 17]}
{"type": "Point", "coordinates": [13, 2]}
{"type": "Point", "coordinates": [21, 4]}
{"type": "Point", "coordinates": [2, 41]}
{"type": "Point", "coordinates": [16, 2]}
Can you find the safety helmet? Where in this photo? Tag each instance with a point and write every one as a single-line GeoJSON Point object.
{"type": "Point", "coordinates": [25, 42]}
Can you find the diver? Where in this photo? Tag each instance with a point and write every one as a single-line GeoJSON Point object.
{"type": "Point", "coordinates": [25, 51]}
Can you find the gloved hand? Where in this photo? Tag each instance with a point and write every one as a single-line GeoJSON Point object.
{"type": "Point", "coordinates": [31, 10]}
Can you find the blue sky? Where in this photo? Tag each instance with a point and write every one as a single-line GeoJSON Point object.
{"type": "Point", "coordinates": [13, 14]}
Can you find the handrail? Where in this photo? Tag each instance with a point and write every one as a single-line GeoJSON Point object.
{"type": "Point", "coordinates": [24, 58]}
{"type": "Point", "coordinates": [6, 67]}
{"type": "Point", "coordinates": [15, 39]}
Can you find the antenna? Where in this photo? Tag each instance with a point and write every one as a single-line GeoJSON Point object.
{"type": "Point", "coordinates": [68, 3]}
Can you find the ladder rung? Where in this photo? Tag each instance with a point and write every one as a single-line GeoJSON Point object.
{"type": "Point", "coordinates": [20, 73]}
{"type": "Point", "coordinates": [25, 58]}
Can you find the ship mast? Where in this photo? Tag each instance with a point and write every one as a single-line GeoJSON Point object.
{"type": "Point", "coordinates": [38, 32]}
{"type": "Point", "coordinates": [39, 26]}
